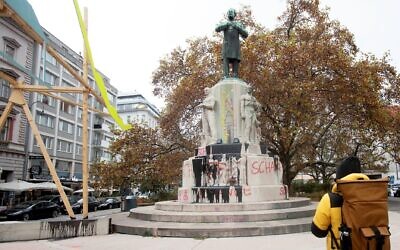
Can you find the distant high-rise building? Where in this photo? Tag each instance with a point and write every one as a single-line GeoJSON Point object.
{"type": "Point", "coordinates": [133, 107]}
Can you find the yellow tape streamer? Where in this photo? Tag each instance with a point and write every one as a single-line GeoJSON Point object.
{"type": "Point", "coordinates": [99, 80]}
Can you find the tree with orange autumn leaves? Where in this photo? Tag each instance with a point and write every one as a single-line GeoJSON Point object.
{"type": "Point", "coordinates": [322, 98]}
{"type": "Point", "coordinates": [141, 157]}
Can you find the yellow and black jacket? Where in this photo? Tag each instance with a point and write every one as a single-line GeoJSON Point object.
{"type": "Point", "coordinates": [329, 214]}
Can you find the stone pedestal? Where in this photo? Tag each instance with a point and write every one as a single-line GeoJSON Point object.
{"type": "Point", "coordinates": [229, 167]}
{"type": "Point", "coordinates": [259, 178]}
{"type": "Point", "coordinates": [227, 110]}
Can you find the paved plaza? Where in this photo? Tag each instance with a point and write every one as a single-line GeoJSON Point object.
{"type": "Point", "coordinates": [299, 241]}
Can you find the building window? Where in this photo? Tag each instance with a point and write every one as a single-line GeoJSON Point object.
{"type": "Point", "coordinates": [44, 120]}
{"type": "Point", "coordinates": [107, 155]}
{"type": "Point", "coordinates": [6, 131]}
{"type": "Point", "coordinates": [65, 126]}
{"type": "Point", "coordinates": [46, 100]}
{"type": "Point", "coordinates": [97, 105]}
{"type": "Point", "coordinates": [97, 139]}
{"type": "Point", "coordinates": [80, 111]}
{"type": "Point", "coordinates": [10, 50]}
{"type": "Point", "coordinates": [79, 131]}
{"type": "Point", "coordinates": [10, 46]}
{"type": "Point", "coordinates": [48, 142]}
{"type": "Point", "coordinates": [63, 169]}
{"type": "Point", "coordinates": [4, 89]}
{"type": "Point", "coordinates": [66, 107]}
{"type": "Point", "coordinates": [50, 78]}
{"type": "Point", "coordinates": [111, 97]}
{"type": "Point", "coordinates": [64, 146]}
{"type": "Point", "coordinates": [78, 170]}
{"type": "Point", "coordinates": [78, 150]}
{"type": "Point", "coordinates": [51, 59]}
{"type": "Point", "coordinates": [68, 84]}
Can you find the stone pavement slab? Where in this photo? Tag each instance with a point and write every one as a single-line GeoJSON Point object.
{"type": "Point", "coordinates": [299, 241]}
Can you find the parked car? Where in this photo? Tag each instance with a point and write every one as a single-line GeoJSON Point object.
{"type": "Point", "coordinates": [31, 210]}
{"type": "Point", "coordinates": [92, 205]}
{"type": "Point", "coordinates": [52, 198]}
{"type": "Point", "coordinates": [143, 195]}
{"type": "Point", "coordinates": [397, 193]}
{"type": "Point", "coordinates": [109, 203]}
{"type": "Point", "coordinates": [72, 200]}
{"type": "Point", "coordinates": [393, 190]}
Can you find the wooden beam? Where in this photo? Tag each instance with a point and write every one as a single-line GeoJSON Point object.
{"type": "Point", "coordinates": [17, 97]}
{"type": "Point", "coordinates": [58, 89]}
{"type": "Point", "coordinates": [4, 12]}
{"type": "Point", "coordinates": [20, 85]}
{"type": "Point", "coordinates": [21, 22]}
{"type": "Point", "coordinates": [5, 114]}
{"type": "Point", "coordinates": [74, 103]}
{"type": "Point", "coordinates": [85, 135]}
{"type": "Point", "coordinates": [39, 40]}
{"type": "Point", "coordinates": [85, 156]}
{"type": "Point", "coordinates": [72, 71]}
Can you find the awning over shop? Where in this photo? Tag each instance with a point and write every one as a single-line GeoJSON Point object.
{"type": "Point", "coordinates": [20, 186]}
{"type": "Point", "coordinates": [50, 186]}
{"type": "Point", "coordinates": [17, 186]}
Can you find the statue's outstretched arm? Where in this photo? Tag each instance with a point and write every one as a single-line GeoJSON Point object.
{"type": "Point", "coordinates": [243, 32]}
{"type": "Point", "coordinates": [222, 26]}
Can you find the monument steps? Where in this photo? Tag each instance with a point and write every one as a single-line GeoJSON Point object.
{"type": "Point", "coordinates": [211, 230]}
{"type": "Point", "coordinates": [217, 220]}
{"type": "Point", "coordinates": [229, 207]}
{"type": "Point", "coordinates": [151, 214]}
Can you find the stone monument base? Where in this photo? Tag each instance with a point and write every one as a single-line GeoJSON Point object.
{"type": "Point", "coordinates": [177, 219]}
{"type": "Point", "coordinates": [232, 194]}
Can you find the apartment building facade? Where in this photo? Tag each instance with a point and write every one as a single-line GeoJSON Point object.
{"type": "Point", "coordinates": [17, 52]}
{"type": "Point", "coordinates": [60, 123]}
{"type": "Point", "coordinates": [133, 107]}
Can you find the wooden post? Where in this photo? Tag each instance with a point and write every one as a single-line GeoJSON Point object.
{"type": "Point", "coordinates": [85, 154]}
{"type": "Point", "coordinates": [85, 126]}
{"type": "Point", "coordinates": [17, 97]}
{"type": "Point", "coordinates": [5, 114]}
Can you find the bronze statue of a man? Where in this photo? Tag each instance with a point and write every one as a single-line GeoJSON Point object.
{"type": "Point", "coordinates": [231, 47]}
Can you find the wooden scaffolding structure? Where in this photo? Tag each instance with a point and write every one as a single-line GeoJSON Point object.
{"type": "Point", "coordinates": [18, 88]}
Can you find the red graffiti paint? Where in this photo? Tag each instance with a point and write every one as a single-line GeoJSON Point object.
{"type": "Point", "coordinates": [282, 191]}
{"type": "Point", "coordinates": [201, 151]}
{"type": "Point", "coordinates": [232, 191]}
{"type": "Point", "coordinates": [222, 165]}
{"type": "Point", "coordinates": [260, 167]}
{"type": "Point", "coordinates": [246, 191]}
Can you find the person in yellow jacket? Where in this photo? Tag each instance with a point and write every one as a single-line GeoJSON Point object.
{"type": "Point", "coordinates": [328, 216]}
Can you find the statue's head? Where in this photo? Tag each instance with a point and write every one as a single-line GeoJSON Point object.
{"type": "Point", "coordinates": [231, 14]}
{"type": "Point", "coordinates": [250, 90]}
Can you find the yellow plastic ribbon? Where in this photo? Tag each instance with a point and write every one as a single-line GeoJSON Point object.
{"type": "Point", "coordinates": [97, 77]}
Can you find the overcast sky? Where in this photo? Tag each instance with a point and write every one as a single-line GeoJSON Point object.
{"type": "Point", "coordinates": [128, 38]}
